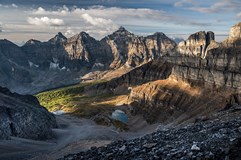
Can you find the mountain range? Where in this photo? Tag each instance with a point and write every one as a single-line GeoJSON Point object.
{"type": "Point", "coordinates": [25, 66]}
{"type": "Point", "coordinates": [161, 81]}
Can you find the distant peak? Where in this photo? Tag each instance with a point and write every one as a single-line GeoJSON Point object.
{"type": "Point", "coordinates": [83, 34]}
{"type": "Point", "coordinates": [159, 34]}
{"type": "Point", "coordinates": [60, 34]}
{"type": "Point", "coordinates": [58, 38]}
{"type": "Point", "coordinates": [122, 29]}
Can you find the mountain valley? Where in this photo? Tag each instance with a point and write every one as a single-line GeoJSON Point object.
{"type": "Point", "coordinates": [170, 93]}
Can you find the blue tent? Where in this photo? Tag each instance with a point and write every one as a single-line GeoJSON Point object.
{"type": "Point", "coordinates": [120, 116]}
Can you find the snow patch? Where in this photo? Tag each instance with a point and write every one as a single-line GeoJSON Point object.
{"type": "Point", "coordinates": [31, 64]}
{"type": "Point", "coordinates": [98, 65]}
{"type": "Point", "coordinates": [53, 66]}
{"type": "Point", "coordinates": [63, 68]}
{"type": "Point", "coordinates": [58, 112]}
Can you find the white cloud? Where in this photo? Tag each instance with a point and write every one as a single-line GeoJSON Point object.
{"type": "Point", "coordinates": [69, 32]}
{"type": "Point", "coordinates": [100, 21]}
{"type": "Point", "coordinates": [45, 21]}
{"type": "Point", "coordinates": [239, 15]}
{"type": "Point", "coordinates": [61, 11]}
{"type": "Point", "coordinates": [114, 15]}
{"type": "Point", "coordinates": [181, 3]}
{"type": "Point", "coordinates": [220, 6]}
{"type": "Point", "coordinates": [14, 5]}
{"type": "Point", "coordinates": [96, 21]}
{"type": "Point", "coordinates": [40, 11]}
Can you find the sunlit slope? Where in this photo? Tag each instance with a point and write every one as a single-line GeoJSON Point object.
{"type": "Point", "coordinates": [73, 100]}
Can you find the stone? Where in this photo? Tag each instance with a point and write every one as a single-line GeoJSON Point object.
{"type": "Point", "coordinates": [195, 147]}
{"type": "Point", "coordinates": [22, 116]}
{"type": "Point", "coordinates": [122, 148]}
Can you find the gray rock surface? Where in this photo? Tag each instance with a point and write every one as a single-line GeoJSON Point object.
{"type": "Point", "coordinates": [22, 116]}
{"type": "Point", "coordinates": [218, 138]}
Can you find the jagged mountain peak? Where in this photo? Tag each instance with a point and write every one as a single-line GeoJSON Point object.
{"type": "Point", "coordinates": [202, 35]}
{"type": "Point", "coordinates": [58, 38]}
{"type": "Point", "coordinates": [121, 28]}
{"type": "Point", "coordinates": [83, 34]}
{"type": "Point", "coordinates": [122, 31]}
{"type": "Point", "coordinates": [80, 35]}
{"type": "Point", "coordinates": [159, 33]}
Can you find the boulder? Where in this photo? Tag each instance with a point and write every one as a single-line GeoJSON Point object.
{"type": "Point", "coordinates": [23, 116]}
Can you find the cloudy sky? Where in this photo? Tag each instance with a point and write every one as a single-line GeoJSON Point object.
{"type": "Point", "coordinates": [42, 19]}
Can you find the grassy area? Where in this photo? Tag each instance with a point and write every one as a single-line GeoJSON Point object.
{"type": "Point", "coordinates": [72, 100]}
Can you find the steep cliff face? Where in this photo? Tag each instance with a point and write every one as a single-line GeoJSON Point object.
{"type": "Point", "coordinates": [198, 44]}
{"type": "Point", "coordinates": [22, 116]}
{"type": "Point", "coordinates": [220, 68]}
{"type": "Point", "coordinates": [131, 50]}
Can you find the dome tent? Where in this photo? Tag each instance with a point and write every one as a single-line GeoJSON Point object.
{"type": "Point", "coordinates": [120, 116]}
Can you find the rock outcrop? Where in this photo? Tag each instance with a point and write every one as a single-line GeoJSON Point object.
{"type": "Point", "coordinates": [234, 39]}
{"type": "Point", "coordinates": [198, 44]}
{"type": "Point", "coordinates": [22, 116]}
